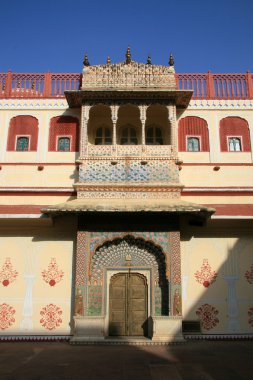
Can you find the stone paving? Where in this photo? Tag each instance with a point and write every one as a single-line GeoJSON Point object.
{"type": "Point", "coordinates": [196, 360]}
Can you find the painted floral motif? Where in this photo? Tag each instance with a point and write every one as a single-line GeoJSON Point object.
{"type": "Point", "coordinates": [8, 273]}
{"type": "Point", "coordinates": [208, 316]}
{"type": "Point", "coordinates": [6, 316]}
{"type": "Point", "coordinates": [250, 314]}
{"type": "Point", "coordinates": [51, 316]}
{"type": "Point", "coordinates": [249, 275]}
{"type": "Point", "coordinates": [53, 274]}
{"type": "Point", "coordinates": [205, 276]}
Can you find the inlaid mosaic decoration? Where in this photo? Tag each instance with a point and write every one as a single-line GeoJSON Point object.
{"type": "Point", "coordinates": [99, 250]}
{"type": "Point", "coordinates": [128, 171]}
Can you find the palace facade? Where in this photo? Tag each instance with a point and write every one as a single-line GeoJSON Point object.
{"type": "Point", "coordinates": [126, 204]}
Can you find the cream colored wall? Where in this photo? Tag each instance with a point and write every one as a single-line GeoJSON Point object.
{"type": "Point", "coordinates": [30, 251]}
{"type": "Point", "coordinates": [229, 254]}
{"type": "Point", "coordinates": [206, 176]}
{"type": "Point", "coordinates": [29, 175]}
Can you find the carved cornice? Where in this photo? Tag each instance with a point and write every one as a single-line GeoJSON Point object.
{"type": "Point", "coordinates": [139, 97]}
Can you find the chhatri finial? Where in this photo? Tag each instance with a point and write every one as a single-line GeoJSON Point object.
{"type": "Point", "coordinates": [108, 61]}
{"type": "Point", "coordinates": [128, 55]}
{"type": "Point", "coordinates": [86, 60]}
{"type": "Point", "coordinates": [149, 60]}
{"type": "Point", "coordinates": [171, 60]}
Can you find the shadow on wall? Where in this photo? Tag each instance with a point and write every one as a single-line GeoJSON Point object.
{"type": "Point", "coordinates": [217, 271]}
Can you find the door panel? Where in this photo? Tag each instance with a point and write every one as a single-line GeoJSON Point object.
{"type": "Point", "coordinates": [128, 304]}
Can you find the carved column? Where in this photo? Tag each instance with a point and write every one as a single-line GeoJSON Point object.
{"type": "Point", "coordinates": [114, 113]}
{"type": "Point", "coordinates": [172, 115]}
{"type": "Point", "coordinates": [84, 130]}
{"type": "Point", "coordinates": [143, 117]}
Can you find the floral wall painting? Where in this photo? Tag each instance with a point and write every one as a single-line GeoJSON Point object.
{"type": "Point", "coordinates": [205, 276]}
{"type": "Point", "coordinates": [8, 274]}
{"type": "Point", "coordinates": [52, 275]}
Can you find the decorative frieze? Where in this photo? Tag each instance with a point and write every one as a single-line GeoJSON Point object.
{"type": "Point", "coordinates": [125, 75]}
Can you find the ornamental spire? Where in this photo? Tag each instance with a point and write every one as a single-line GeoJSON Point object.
{"type": "Point", "coordinates": [128, 55]}
{"type": "Point", "coordinates": [171, 60]}
{"type": "Point", "coordinates": [149, 60]}
{"type": "Point", "coordinates": [86, 60]}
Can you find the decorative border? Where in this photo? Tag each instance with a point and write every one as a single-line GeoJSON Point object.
{"type": "Point", "coordinates": [35, 338]}
{"type": "Point", "coordinates": [218, 337]}
{"type": "Point", "coordinates": [231, 104]}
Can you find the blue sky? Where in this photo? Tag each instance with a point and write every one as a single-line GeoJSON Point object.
{"type": "Point", "coordinates": [52, 35]}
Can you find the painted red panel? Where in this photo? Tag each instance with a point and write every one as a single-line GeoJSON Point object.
{"type": "Point", "coordinates": [64, 126]}
{"type": "Point", "coordinates": [23, 125]}
{"type": "Point", "coordinates": [234, 127]}
{"type": "Point", "coordinates": [193, 126]}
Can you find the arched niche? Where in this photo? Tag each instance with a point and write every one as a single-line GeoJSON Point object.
{"type": "Point", "coordinates": [157, 120]}
{"type": "Point", "coordinates": [99, 117]}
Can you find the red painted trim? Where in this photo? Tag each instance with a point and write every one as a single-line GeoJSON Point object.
{"type": "Point", "coordinates": [39, 163]}
{"type": "Point", "coordinates": [21, 209]}
{"type": "Point", "coordinates": [234, 126]}
{"type": "Point", "coordinates": [217, 193]}
{"type": "Point", "coordinates": [193, 126]}
{"type": "Point", "coordinates": [217, 187]}
{"type": "Point", "coordinates": [221, 209]}
{"type": "Point", "coordinates": [37, 193]}
{"type": "Point", "coordinates": [232, 209]}
{"type": "Point", "coordinates": [23, 125]}
{"type": "Point", "coordinates": [215, 163]}
{"type": "Point", "coordinates": [64, 126]}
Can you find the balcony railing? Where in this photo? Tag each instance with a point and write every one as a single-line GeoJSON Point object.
{"type": "Point", "coordinates": [52, 85]}
{"type": "Point", "coordinates": [129, 150]}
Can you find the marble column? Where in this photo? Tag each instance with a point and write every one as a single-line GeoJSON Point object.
{"type": "Point", "coordinates": [114, 113]}
{"type": "Point", "coordinates": [172, 116]}
{"type": "Point", "coordinates": [143, 117]}
{"type": "Point", "coordinates": [84, 130]}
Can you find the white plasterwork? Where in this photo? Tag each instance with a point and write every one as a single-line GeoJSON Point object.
{"type": "Point", "coordinates": [34, 104]}
{"type": "Point", "coordinates": [223, 104]}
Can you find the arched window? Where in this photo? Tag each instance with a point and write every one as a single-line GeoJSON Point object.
{"type": "Point", "coordinates": [63, 144]}
{"type": "Point", "coordinates": [103, 136]}
{"type": "Point", "coordinates": [23, 133]}
{"type": "Point", "coordinates": [61, 129]}
{"type": "Point", "coordinates": [22, 144]}
{"type": "Point", "coordinates": [234, 144]}
{"type": "Point", "coordinates": [234, 135]}
{"type": "Point", "coordinates": [128, 136]}
{"type": "Point", "coordinates": [193, 127]}
{"type": "Point", "coordinates": [193, 144]}
{"type": "Point", "coordinates": [154, 136]}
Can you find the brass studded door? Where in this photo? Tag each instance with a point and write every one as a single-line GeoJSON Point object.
{"type": "Point", "coordinates": [128, 305]}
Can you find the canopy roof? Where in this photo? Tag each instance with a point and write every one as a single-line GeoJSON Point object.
{"type": "Point", "coordinates": [129, 205]}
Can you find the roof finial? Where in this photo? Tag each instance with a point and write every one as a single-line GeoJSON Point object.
{"type": "Point", "coordinates": [128, 55]}
{"type": "Point", "coordinates": [108, 61]}
{"type": "Point", "coordinates": [171, 60]}
{"type": "Point", "coordinates": [86, 60]}
{"type": "Point", "coordinates": [149, 60]}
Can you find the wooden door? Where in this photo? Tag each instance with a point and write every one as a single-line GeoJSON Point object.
{"type": "Point", "coordinates": [128, 305]}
